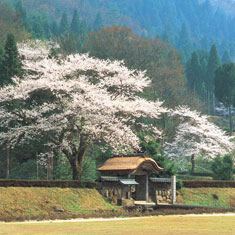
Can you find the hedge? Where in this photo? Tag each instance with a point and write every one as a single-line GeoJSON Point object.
{"type": "Point", "coordinates": [46, 183]}
{"type": "Point", "coordinates": [209, 183]}
{"type": "Point", "coordinates": [195, 173]}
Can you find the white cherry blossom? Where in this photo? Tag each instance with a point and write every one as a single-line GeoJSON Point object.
{"type": "Point", "coordinates": [75, 101]}
{"type": "Point", "coordinates": [197, 136]}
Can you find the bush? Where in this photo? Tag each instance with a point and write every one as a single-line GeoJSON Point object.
{"type": "Point", "coordinates": [152, 148]}
{"type": "Point", "coordinates": [208, 184]}
{"type": "Point", "coordinates": [222, 168]}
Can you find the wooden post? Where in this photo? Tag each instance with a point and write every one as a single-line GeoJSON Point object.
{"type": "Point", "coordinates": [37, 164]}
{"type": "Point", "coordinates": [173, 189]}
{"type": "Point", "coordinates": [8, 160]}
{"type": "Point", "coordinates": [129, 193]}
{"type": "Point", "coordinates": [193, 163]}
{"type": "Point", "coordinates": [147, 187]}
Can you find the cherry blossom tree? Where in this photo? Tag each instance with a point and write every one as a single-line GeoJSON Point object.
{"type": "Point", "coordinates": [74, 102]}
{"type": "Point", "coordinates": [196, 136]}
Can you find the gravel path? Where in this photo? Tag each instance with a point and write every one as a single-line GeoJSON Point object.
{"type": "Point", "coordinates": [111, 219]}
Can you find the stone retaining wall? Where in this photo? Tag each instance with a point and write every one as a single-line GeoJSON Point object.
{"type": "Point", "coordinates": [163, 196]}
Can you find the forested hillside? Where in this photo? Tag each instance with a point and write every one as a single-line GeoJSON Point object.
{"type": "Point", "coordinates": [82, 80]}
{"type": "Point", "coordinates": [188, 25]}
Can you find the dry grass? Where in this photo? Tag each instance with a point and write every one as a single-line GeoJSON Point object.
{"type": "Point", "coordinates": [18, 204]}
{"type": "Point", "coordinates": [219, 197]}
{"type": "Point", "coordinates": [38, 203]}
{"type": "Point", "coordinates": [164, 225]}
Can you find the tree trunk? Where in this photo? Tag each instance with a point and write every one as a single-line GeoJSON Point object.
{"type": "Point", "coordinates": [230, 121]}
{"type": "Point", "coordinates": [8, 153]}
{"type": "Point", "coordinates": [76, 169]}
{"type": "Point", "coordinates": [193, 163]}
{"type": "Point", "coordinates": [213, 103]}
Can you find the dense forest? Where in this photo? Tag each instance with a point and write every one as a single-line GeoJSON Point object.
{"type": "Point", "coordinates": [180, 45]}
{"type": "Point", "coordinates": [188, 25]}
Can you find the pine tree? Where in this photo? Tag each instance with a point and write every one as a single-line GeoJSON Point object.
{"type": "Point", "coordinates": [37, 28]}
{"type": "Point", "coordinates": [98, 23]}
{"type": "Point", "coordinates": [225, 88]}
{"type": "Point", "coordinates": [1, 62]}
{"type": "Point", "coordinates": [184, 44]}
{"type": "Point", "coordinates": [226, 58]}
{"type": "Point", "coordinates": [75, 24]}
{"type": "Point", "coordinates": [22, 13]}
{"type": "Point", "coordinates": [54, 29]}
{"type": "Point", "coordinates": [213, 64]}
{"type": "Point", "coordinates": [11, 64]}
{"type": "Point", "coordinates": [194, 74]}
{"type": "Point", "coordinates": [64, 26]}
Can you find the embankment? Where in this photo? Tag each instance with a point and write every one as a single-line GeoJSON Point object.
{"type": "Point", "coordinates": [207, 196]}
{"type": "Point", "coordinates": [30, 203]}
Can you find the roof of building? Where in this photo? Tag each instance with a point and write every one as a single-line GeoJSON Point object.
{"type": "Point", "coordinates": [130, 164]}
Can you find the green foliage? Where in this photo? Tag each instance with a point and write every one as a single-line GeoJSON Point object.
{"type": "Point", "coordinates": [213, 64]}
{"type": "Point", "coordinates": [226, 58]}
{"type": "Point", "coordinates": [62, 169]}
{"type": "Point", "coordinates": [26, 170]}
{"type": "Point", "coordinates": [225, 88]}
{"type": "Point", "coordinates": [98, 23]}
{"type": "Point", "coordinates": [194, 74]}
{"type": "Point", "coordinates": [151, 147]}
{"type": "Point", "coordinates": [11, 62]}
{"type": "Point", "coordinates": [184, 44]}
{"type": "Point", "coordinates": [68, 44]}
{"type": "Point", "coordinates": [64, 25]}
{"type": "Point", "coordinates": [225, 84]}
{"type": "Point", "coordinates": [22, 13]}
{"type": "Point", "coordinates": [222, 168]}
{"type": "Point", "coordinates": [89, 170]}
{"type": "Point", "coordinates": [76, 23]}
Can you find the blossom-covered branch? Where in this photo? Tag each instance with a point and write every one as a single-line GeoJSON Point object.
{"type": "Point", "coordinates": [75, 101]}
{"type": "Point", "coordinates": [196, 136]}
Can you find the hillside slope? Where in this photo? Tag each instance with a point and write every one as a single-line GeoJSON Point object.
{"type": "Point", "coordinates": [18, 203]}
{"type": "Point", "coordinates": [190, 25]}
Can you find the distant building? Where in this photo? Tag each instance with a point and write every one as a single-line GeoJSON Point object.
{"type": "Point", "coordinates": [127, 177]}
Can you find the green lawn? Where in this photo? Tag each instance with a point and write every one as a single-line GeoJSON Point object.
{"type": "Point", "coordinates": [163, 225]}
{"type": "Point", "coordinates": [218, 197]}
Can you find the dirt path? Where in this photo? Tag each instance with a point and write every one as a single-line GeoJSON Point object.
{"type": "Point", "coordinates": [113, 219]}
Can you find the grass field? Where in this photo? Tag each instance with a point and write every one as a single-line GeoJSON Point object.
{"type": "Point", "coordinates": [164, 225]}
{"type": "Point", "coordinates": [219, 197]}
{"type": "Point", "coordinates": [27, 203]}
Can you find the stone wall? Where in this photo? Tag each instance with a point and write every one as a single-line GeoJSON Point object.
{"type": "Point", "coordinates": [115, 192]}
{"type": "Point", "coordinates": [163, 196]}
{"type": "Point", "coordinates": [112, 194]}
{"type": "Point", "coordinates": [160, 192]}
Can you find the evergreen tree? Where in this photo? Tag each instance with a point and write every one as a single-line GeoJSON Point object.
{"type": "Point", "coordinates": [11, 64]}
{"type": "Point", "coordinates": [22, 13]}
{"type": "Point", "coordinates": [64, 26]}
{"type": "Point", "coordinates": [98, 23]}
{"type": "Point", "coordinates": [46, 29]}
{"type": "Point", "coordinates": [1, 61]}
{"type": "Point", "coordinates": [213, 64]}
{"type": "Point", "coordinates": [226, 57]}
{"type": "Point", "coordinates": [37, 27]}
{"type": "Point", "coordinates": [225, 88]}
{"type": "Point", "coordinates": [54, 29]}
{"type": "Point", "coordinates": [194, 74]}
{"type": "Point", "coordinates": [184, 44]}
{"type": "Point", "coordinates": [76, 23]}
{"type": "Point", "coordinates": [68, 44]}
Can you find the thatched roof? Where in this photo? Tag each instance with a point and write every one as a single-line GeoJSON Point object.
{"type": "Point", "coordinates": [130, 164]}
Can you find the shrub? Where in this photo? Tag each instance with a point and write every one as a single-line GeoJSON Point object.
{"type": "Point", "coordinates": [222, 168]}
